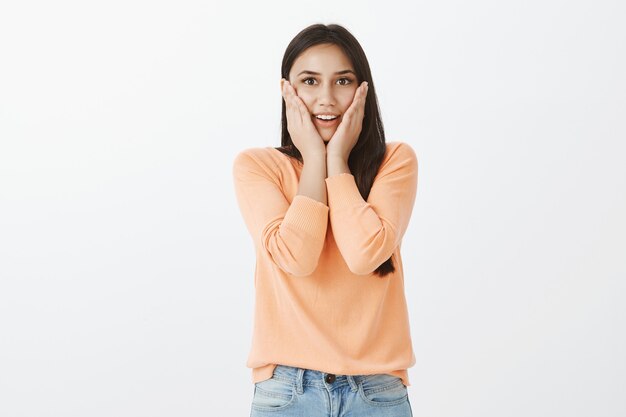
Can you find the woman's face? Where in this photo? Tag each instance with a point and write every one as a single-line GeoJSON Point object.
{"type": "Point", "coordinates": [325, 80]}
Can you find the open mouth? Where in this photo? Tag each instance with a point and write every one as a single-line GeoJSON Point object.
{"type": "Point", "coordinates": [326, 121]}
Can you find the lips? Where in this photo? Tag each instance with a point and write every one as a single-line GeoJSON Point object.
{"type": "Point", "coordinates": [325, 114]}
{"type": "Point", "coordinates": [326, 123]}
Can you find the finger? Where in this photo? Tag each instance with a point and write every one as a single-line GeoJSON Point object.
{"type": "Point", "coordinates": [283, 90]}
{"type": "Point", "coordinates": [363, 92]}
{"type": "Point", "coordinates": [360, 94]}
{"type": "Point", "coordinates": [288, 104]}
{"type": "Point", "coordinates": [299, 106]}
{"type": "Point", "coordinates": [355, 102]}
{"type": "Point", "coordinates": [356, 110]}
{"type": "Point", "coordinates": [360, 100]}
{"type": "Point", "coordinates": [293, 103]}
{"type": "Point", "coordinates": [302, 108]}
{"type": "Point", "coordinates": [364, 97]}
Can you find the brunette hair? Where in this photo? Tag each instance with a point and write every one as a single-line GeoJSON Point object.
{"type": "Point", "coordinates": [369, 151]}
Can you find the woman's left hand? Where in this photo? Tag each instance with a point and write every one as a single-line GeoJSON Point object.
{"type": "Point", "coordinates": [348, 131]}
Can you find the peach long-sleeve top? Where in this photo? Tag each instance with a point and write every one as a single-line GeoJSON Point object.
{"type": "Point", "coordinates": [318, 304]}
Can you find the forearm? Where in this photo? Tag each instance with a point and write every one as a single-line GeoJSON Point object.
{"type": "Point", "coordinates": [367, 232]}
{"type": "Point", "coordinates": [312, 178]}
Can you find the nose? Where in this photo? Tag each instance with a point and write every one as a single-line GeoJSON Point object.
{"type": "Point", "coordinates": [326, 96]}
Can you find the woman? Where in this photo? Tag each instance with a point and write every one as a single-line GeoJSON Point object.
{"type": "Point", "coordinates": [327, 211]}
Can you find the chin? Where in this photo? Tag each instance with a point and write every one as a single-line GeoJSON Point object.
{"type": "Point", "coordinates": [327, 136]}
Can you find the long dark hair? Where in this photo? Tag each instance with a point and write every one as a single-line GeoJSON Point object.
{"type": "Point", "coordinates": [369, 151]}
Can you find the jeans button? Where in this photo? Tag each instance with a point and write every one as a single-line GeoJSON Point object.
{"type": "Point", "coordinates": [330, 378]}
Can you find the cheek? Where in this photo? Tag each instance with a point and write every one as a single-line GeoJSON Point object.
{"type": "Point", "coordinates": [307, 100]}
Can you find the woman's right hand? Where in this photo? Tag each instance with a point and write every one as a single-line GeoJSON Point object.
{"type": "Point", "coordinates": [303, 132]}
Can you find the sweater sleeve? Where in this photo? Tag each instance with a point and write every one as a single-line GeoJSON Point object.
{"type": "Point", "coordinates": [291, 234]}
{"type": "Point", "coordinates": [368, 232]}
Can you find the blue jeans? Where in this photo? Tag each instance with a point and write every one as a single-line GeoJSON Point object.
{"type": "Point", "coordinates": [299, 392]}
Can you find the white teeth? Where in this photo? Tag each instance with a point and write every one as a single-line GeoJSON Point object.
{"type": "Point", "coordinates": [323, 117]}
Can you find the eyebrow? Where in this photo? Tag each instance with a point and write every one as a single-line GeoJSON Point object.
{"type": "Point", "coordinates": [346, 71]}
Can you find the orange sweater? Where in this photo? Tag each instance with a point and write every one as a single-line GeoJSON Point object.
{"type": "Point", "coordinates": [317, 303]}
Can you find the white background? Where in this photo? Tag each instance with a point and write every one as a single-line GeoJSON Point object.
{"type": "Point", "coordinates": [126, 270]}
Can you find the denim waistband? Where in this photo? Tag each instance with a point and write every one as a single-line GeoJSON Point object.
{"type": "Point", "coordinates": [302, 376]}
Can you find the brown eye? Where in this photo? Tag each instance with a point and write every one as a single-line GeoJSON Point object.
{"type": "Point", "coordinates": [307, 79]}
{"type": "Point", "coordinates": [348, 81]}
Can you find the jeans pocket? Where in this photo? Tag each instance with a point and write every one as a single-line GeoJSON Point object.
{"type": "Point", "coordinates": [273, 394]}
{"type": "Point", "coordinates": [383, 390]}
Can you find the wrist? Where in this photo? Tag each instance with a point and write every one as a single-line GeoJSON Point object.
{"type": "Point", "coordinates": [336, 164]}
{"type": "Point", "coordinates": [316, 155]}
{"type": "Point", "coordinates": [336, 157]}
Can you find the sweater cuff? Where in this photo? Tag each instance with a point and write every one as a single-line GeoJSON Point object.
{"type": "Point", "coordinates": [308, 215]}
{"type": "Point", "coordinates": [343, 192]}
